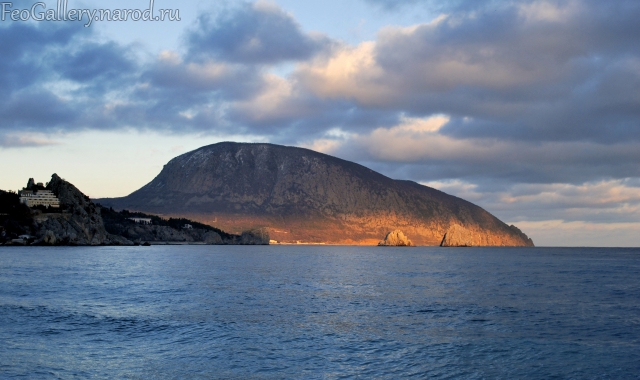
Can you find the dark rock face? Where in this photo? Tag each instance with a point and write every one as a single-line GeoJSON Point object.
{"type": "Point", "coordinates": [80, 224]}
{"type": "Point", "coordinates": [304, 195]}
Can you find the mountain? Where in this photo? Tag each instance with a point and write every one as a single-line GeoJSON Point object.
{"type": "Point", "coordinates": [302, 195]}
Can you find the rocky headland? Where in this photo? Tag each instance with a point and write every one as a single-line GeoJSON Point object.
{"type": "Point", "coordinates": [80, 221]}
{"type": "Point", "coordinates": [304, 196]}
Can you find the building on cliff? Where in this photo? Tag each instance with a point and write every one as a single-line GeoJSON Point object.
{"type": "Point", "coordinates": [34, 198]}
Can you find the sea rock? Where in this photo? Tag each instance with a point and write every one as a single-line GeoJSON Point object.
{"type": "Point", "coordinates": [471, 236]}
{"type": "Point", "coordinates": [396, 239]}
{"type": "Point", "coordinates": [458, 236]}
{"type": "Point", "coordinates": [49, 238]}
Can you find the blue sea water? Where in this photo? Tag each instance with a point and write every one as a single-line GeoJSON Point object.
{"type": "Point", "coordinates": [271, 312]}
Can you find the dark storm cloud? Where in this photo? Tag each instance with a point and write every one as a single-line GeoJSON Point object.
{"type": "Point", "coordinates": [252, 33]}
{"type": "Point", "coordinates": [28, 108]}
{"type": "Point", "coordinates": [23, 48]}
{"type": "Point", "coordinates": [301, 117]}
{"type": "Point", "coordinates": [565, 73]}
{"type": "Point", "coordinates": [54, 78]}
{"type": "Point", "coordinates": [24, 65]}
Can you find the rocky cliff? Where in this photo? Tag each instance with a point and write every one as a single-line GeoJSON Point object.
{"type": "Point", "coordinates": [302, 195]}
{"type": "Point", "coordinates": [80, 222]}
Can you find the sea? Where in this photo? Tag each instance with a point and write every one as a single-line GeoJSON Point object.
{"type": "Point", "coordinates": [319, 312]}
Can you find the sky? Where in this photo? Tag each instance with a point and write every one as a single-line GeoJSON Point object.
{"type": "Point", "coordinates": [529, 109]}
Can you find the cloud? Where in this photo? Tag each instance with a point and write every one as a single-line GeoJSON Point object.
{"type": "Point", "coordinates": [529, 91]}
{"type": "Point", "coordinates": [559, 233]}
{"type": "Point", "coordinates": [232, 81]}
{"type": "Point", "coordinates": [602, 201]}
{"type": "Point", "coordinates": [28, 108]}
{"type": "Point", "coordinates": [53, 78]}
{"type": "Point", "coordinates": [434, 5]}
{"type": "Point", "coordinates": [516, 73]}
{"type": "Point", "coordinates": [601, 213]}
{"type": "Point", "coordinates": [529, 71]}
{"type": "Point", "coordinates": [14, 140]}
{"type": "Point", "coordinates": [94, 61]}
{"type": "Point", "coordinates": [258, 32]}
{"type": "Point", "coordinates": [24, 48]}
{"type": "Point", "coordinates": [529, 108]}
{"type": "Point", "coordinates": [420, 149]}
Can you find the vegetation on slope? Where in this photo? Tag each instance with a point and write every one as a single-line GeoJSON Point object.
{"type": "Point", "coordinates": [118, 222]}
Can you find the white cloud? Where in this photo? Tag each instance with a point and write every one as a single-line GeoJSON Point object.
{"type": "Point", "coordinates": [170, 68]}
{"type": "Point", "coordinates": [272, 103]}
{"type": "Point", "coordinates": [350, 72]}
{"type": "Point", "coordinates": [591, 195]}
{"type": "Point", "coordinates": [547, 11]}
{"type": "Point", "coordinates": [327, 146]}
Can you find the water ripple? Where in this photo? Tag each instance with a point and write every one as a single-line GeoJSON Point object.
{"type": "Point", "coordinates": [319, 312]}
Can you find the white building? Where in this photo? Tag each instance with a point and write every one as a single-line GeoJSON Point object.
{"type": "Point", "coordinates": [39, 198]}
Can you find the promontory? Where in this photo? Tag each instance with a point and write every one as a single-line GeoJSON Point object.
{"type": "Point", "coordinates": [301, 195]}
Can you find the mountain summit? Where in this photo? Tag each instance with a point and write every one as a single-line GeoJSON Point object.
{"type": "Point", "coordinates": [302, 195]}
